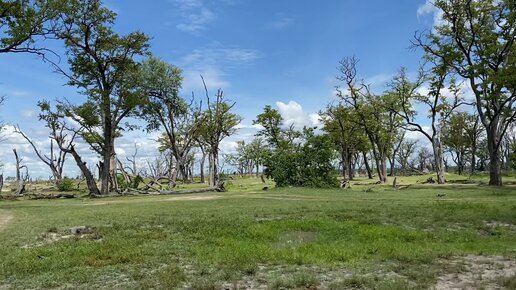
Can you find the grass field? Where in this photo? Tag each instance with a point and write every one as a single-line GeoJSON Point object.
{"type": "Point", "coordinates": [366, 237]}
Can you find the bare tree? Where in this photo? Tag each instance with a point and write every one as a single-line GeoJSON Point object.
{"type": "Point", "coordinates": [57, 157]}
{"type": "Point", "coordinates": [21, 178]}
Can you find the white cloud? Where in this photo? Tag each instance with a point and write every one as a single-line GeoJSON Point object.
{"type": "Point", "coordinates": [212, 63]}
{"type": "Point", "coordinates": [429, 9]}
{"type": "Point", "coordinates": [195, 16]}
{"type": "Point", "coordinates": [292, 113]}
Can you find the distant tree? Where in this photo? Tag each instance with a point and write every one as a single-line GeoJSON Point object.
{"type": "Point", "coordinates": [306, 165]}
{"type": "Point", "coordinates": [59, 138]}
{"type": "Point", "coordinates": [379, 124]}
{"type": "Point", "coordinates": [275, 131]}
{"type": "Point", "coordinates": [476, 40]}
{"type": "Point", "coordinates": [346, 134]}
{"type": "Point", "coordinates": [405, 97]}
{"type": "Point", "coordinates": [55, 121]}
{"type": "Point", "coordinates": [217, 122]}
{"type": "Point", "coordinates": [102, 65]}
{"type": "Point", "coordinates": [405, 152]}
{"type": "Point", "coordinates": [166, 110]}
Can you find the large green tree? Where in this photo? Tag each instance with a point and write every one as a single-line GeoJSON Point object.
{"type": "Point", "coordinates": [476, 40]}
{"type": "Point", "coordinates": [102, 66]}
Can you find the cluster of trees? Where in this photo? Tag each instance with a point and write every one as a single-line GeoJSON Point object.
{"type": "Point", "coordinates": [473, 46]}
{"type": "Point", "coordinates": [107, 68]}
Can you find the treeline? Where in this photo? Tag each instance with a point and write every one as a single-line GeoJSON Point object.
{"type": "Point", "coordinates": [366, 132]}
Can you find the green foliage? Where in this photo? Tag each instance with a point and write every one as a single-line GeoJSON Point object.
{"type": "Point", "coordinates": [307, 165]}
{"type": "Point", "coordinates": [135, 182]}
{"type": "Point", "coordinates": [66, 184]}
{"type": "Point", "coordinates": [22, 21]}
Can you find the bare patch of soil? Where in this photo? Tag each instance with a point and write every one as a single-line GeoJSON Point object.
{"type": "Point", "coordinates": [5, 219]}
{"type": "Point", "coordinates": [74, 233]}
{"type": "Point", "coordinates": [478, 272]}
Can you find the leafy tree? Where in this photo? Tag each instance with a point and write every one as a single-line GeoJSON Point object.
{"type": "Point", "coordinates": [102, 65]}
{"type": "Point", "coordinates": [404, 97]}
{"type": "Point", "coordinates": [167, 110]}
{"type": "Point", "coordinates": [346, 134]}
{"type": "Point", "coordinates": [476, 40]}
{"type": "Point", "coordinates": [379, 124]}
{"type": "Point", "coordinates": [307, 165]}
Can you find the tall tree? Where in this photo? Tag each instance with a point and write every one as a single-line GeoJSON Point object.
{"type": "Point", "coordinates": [167, 110]}
{"type": "Point", "coordinates": [346, 134]}
{"type": "Point", "coordinates": [217, 123]}
{"type": "Point", "coordinates": [476, 40]}
{"type": "Point", "coordinates": [379, 124]}
{"type": "Point", "coordinates": [102, 65]}
{"type": "Point", "coordinates": [405, 97]}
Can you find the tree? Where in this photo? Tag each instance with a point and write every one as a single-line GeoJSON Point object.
{"type": "Point", "coordinates": [476, 41]}
{"type": "Point", "coordinates": [306, 165]}
{"type": "Point", "coordinates": [166, 109]}
{"type": "Point", "coordinates": [379, 124]}
{"type": "Point", "coordinates": [406, 150]}
{"type": "Point", "coordinates": [22, 22]}
{"type": "Point", "coordinates": [405, 97]}
{"type": "Point", "coordinates": [55, 121]}
{"type": "Point", "coordinates": [217, 122]}
{"type": "Point", "coordinates": [346, 134]}
{"type": "Point", "coordinates": [102, 66]}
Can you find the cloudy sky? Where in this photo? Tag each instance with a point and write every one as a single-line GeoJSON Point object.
{"type": "Point", "coordinates": [282, 53]}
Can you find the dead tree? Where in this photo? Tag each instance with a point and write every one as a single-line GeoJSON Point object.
{"type": "Point", "coordinates": [21, 179]}
{"type": "Point", "coordinates": [57, 156]}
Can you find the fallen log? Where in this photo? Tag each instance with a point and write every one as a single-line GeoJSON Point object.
{"type": "Point", "coordinates": [51, 196]}
{"type": "Point", "coordinates": [219, 188]}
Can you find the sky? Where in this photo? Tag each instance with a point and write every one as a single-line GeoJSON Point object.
{"type": "Point", "coordinates": [279, 53]}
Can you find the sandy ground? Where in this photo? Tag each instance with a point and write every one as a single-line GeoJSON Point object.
{"type": "Point", "coordinates": [480, 272]}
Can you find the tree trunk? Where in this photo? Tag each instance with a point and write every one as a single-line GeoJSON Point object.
{"type": "Point", "coordinates": [90, 180]}
{"type": "Point", "coordinates": [495, 172]}
{"type": "Point", "coordinates": [438, 160]}
{"type": "Point", "coordinates": [368, 168]}
{"type": "Point", "coordinates": [215, 169]}
{"type": "Point", "coordinates": [203, 159]}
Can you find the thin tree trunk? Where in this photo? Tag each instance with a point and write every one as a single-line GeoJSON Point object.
{"type": "Point", "coordinates": [438, 159]}
{"type": "Point", "coordinates": [90, 180]}
{"type": "Point", "coordinates": [495, 173]}
{"type": "Point", "coordinates": [203, 159]}
{"type": "Point", "coordinates": [368, 168]}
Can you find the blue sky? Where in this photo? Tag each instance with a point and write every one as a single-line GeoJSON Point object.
{"type": "Point", "coordinates": [282, 53]}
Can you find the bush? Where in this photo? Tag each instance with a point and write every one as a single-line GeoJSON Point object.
{"type": "Point", "coordinates": [307, 165]}
{"type": "Point", "coordinates": [66, 184]}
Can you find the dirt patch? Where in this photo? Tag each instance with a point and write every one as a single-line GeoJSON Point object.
{"type": "Point", "coordinates": [73, 233]}
{"type": "Point", "coordinates": [5, 219]}
{"type": "Point", "coordinates": [478, 272]}
{"type": "Point", "coordinates": [202, 197]}
{"type": "Point", "coordinates": [295, 239]}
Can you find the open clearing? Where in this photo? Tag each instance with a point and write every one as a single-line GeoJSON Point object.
{"type": "Point", "coordinates": [441, 237]}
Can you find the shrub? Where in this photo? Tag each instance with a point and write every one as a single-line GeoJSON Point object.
{"type": "Point", "coordinates": [66, 184]}
{"type": "Point", "coordinates": [307, 165]}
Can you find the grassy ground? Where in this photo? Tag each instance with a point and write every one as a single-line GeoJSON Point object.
{"type": "Point", "coordinates": [366, 237]}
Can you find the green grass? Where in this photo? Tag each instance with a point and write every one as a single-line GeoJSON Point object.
{"type": "Point", "coordinates": [289, 238]}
